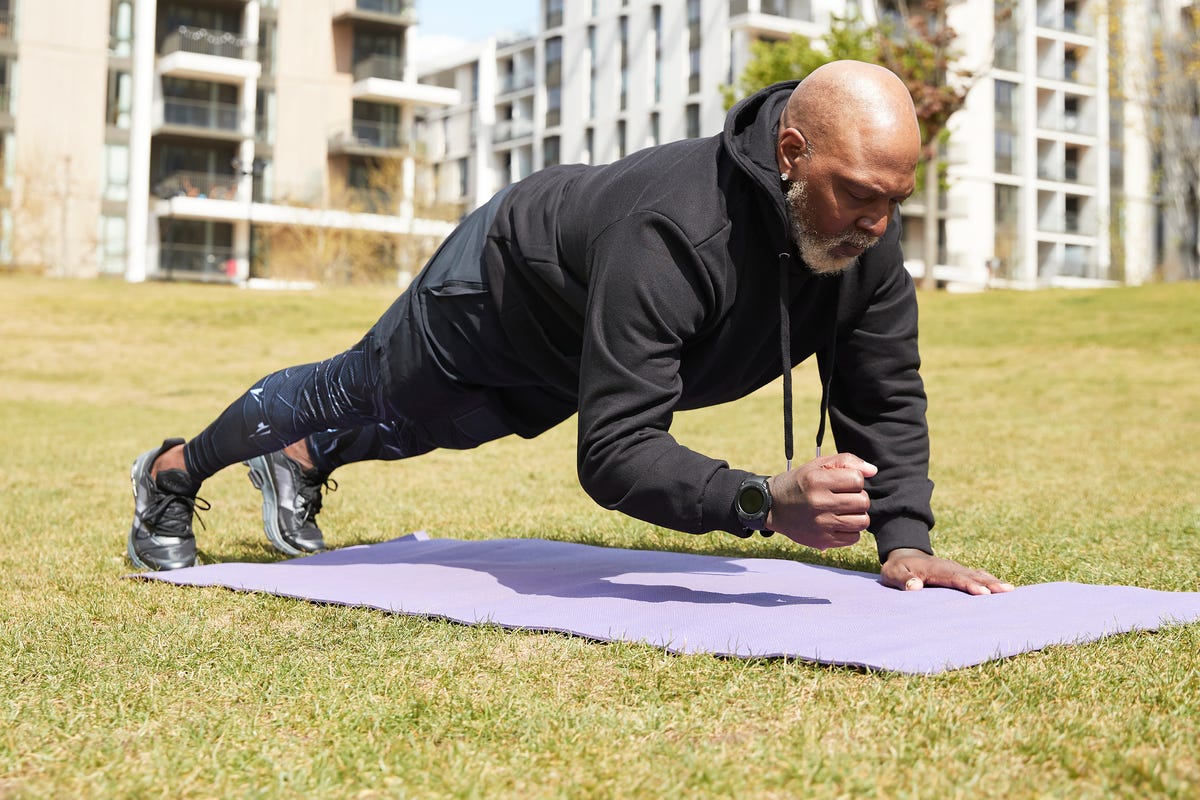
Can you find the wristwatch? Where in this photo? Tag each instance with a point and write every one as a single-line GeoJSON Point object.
{"type": "Point", "coordinates": [753, 503]}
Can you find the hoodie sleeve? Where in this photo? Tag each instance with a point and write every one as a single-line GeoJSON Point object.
{"type": "Point", "coordinates": [649, 293]}
{"type": "Point", "coordinates": [877, 411]}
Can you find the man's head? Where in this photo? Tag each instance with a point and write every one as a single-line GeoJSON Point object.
{"type": "Point", "coordinates": [848, 145]}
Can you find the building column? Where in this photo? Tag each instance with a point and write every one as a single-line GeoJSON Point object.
{"type": "Point", "coordinates": [137, 229]}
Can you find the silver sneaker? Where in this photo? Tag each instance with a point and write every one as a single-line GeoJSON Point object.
{"type": "Point", "coordinates": [291, 502]}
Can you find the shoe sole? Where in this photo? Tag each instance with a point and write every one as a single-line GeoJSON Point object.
{"type": "Point", "coordinates": [134, 474]}
{"type": "Point", "coordinates": [260, 476]}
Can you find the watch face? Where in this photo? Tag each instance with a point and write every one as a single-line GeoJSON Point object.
{"type": "Point", "coordinates": [751, 501]}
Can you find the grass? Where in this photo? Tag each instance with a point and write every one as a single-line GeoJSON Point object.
{"type": "Point", "coordinates": [1066, 433]}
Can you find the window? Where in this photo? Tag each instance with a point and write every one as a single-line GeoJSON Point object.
{"type": "Point", "coordinates": [554, 13]}
{"type": "Point", "coordinates": [589, 145]}
{"type": "Point", "coordinates": [592, 71]}
{"type": "Point", "coordinates": [656, 12]}
{"type": "Point", "coordinates": [553, 106]}
{"type": "Point", "coordinates": [550, 151]}
{"type": "Point", "coordinates": [119, 104]}
{"type": "Point", "coordinates": [1006, 245]}
{"type": "Point", "coordinates": [464, 177]}
{"type": "Point", "coordinates": [654, 132]}
{"type": "Point", "coordinates": [624, 26]}
{"type": "Point", "coordinates": [693, 17]}
{"type": "Point", "coordinates": [620, 138]}
{"type": "Point", "coordinates": [120, 28]}
{"type": "Point", "coordinates": [116, 172]}
{"type": "Point", "coordinates": [1007, 110]}
{"type": "Point", "coordinates": [692, 113]}
{"type": "Point", "coordinates": [112, 245]}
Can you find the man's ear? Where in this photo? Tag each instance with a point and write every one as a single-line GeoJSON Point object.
{"type": "Point", "coordinates": [791, 152]}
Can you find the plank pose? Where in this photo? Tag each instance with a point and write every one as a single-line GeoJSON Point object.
{"type": "Point", "coordinates": [685, 275]}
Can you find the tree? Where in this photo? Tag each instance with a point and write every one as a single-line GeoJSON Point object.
{"type": "Point", "coordinates": [1175, 103]}
{"type": "Point", "coordinates": [914, 42]}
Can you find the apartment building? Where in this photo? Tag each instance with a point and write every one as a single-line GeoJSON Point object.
{"type": "Point", "coordinates": [166, 138]}
{"type": "Point", "coordinates": [1038, 159]}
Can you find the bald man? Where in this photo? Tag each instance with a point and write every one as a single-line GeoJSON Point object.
{"type": "Point", "coordinates": [684, 275]}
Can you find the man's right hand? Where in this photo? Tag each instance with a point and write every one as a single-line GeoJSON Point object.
{"type": "Point", "coordinates": [822, 504]}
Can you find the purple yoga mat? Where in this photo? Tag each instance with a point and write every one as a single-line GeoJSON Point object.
{"type": "Point", "coordinates": [746, 607]}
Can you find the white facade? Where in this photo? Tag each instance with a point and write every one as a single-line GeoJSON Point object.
{"type": "Point", "coordinates": [1031, 185]}
{"type": "Point", "coordinates": [218, 117]}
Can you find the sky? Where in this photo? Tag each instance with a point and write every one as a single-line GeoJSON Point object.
{"type": "Point", "coordinates": [445, 24]}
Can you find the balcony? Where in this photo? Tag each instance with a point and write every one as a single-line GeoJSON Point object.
{"type": "Point", "coordinates": [196, 261]}
{"type": "Point", "coordinates": [518, 82]}
{"type": "Point", "coordinates": [369, 138]}
{"type": "Point", "coordinates": [201, 54]}
{"type": "Point", "coordinates": [1076, 123]}
{"type": "Point", "coordinates": [201, 185]}
{"type": "Point", "coordinates": [7, 25]}
{"type": "Point", "coordinates": [379, 14]}
{"type": "Point", "coordinates": [380, 79]}
{"type": "Point", "coordinates": [511, 129]}
{"type": "Point", "coordinates": [6, 118]}
{"type": "Point", "coordinates": [773, 19]}
{"type": "Point", "coordinates": [200, 117]}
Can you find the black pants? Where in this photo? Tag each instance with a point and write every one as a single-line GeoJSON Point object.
{"type": "Point", "coordinates": [436, 371]}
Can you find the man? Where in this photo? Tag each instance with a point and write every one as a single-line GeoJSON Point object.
{"type": "Point", "coordinates": [626, 292]}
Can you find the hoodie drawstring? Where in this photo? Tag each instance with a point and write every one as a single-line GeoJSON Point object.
{"type": "Point", "coordinates": [785, 353]}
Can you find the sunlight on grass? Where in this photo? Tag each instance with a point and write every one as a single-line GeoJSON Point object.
{"type": "Point", "coordinates": [1066, 438]}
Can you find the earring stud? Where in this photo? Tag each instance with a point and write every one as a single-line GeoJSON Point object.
{"type": "Point", "coordinates": [783, 176]}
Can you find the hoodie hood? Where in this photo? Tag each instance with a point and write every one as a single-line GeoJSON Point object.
{"type": "Point", "coordinates": [750, 137]}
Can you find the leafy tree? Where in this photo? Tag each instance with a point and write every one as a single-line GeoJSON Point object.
{"type": "Point", "coordinates": [914, 42]}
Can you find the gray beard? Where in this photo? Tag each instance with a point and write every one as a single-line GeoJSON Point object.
{"type": "Point", "coordinates": [816, 249]}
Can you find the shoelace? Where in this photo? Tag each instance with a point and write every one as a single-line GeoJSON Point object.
{"type": "Point", "coordinates": [171, 514]}
{"type": "Point", "coordinates": [308, 492]}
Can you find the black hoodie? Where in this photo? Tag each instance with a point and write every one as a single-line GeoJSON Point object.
{"type": "Point", "coordinates": [652, 285]}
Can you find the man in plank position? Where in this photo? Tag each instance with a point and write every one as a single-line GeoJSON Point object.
{"type": "Point", "coordinates": [685, 275]}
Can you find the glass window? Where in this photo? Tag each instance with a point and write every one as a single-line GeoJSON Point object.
{"type": "Point", "coordinates": [693, 120]}
{"type": "Point", "coordinates": [554, 13]}
{"type": "Point", "coordinates": [1006, 245]}
{"type": "Point", "coordinates": [120, 28]}
{"type": "Point", "coordinates": [119, 105]}
{"type": "Point", "coordinates": [550, 151]}
{"type": "Point", "coordinates": [621, 139]}
{"type": "Point", "coordinates": [116, 172]}
{"type": "Point", "coordinates": [112, 245]}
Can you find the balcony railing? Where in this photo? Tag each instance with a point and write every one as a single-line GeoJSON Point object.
{"type": "Point", "coordinates": [396, 7]}
{"type": "Point", "coordinates": [7, 18]}
{"type": "Point", "coordinates": [517, 82]}
{"type": "Point", "coordinates": [1069, 21]}
{"type": "Point", "coordinates": [370, 135]}
{"type": "Point", "coordinates": [208, 260]}
{"type": "Point", "coordinates": [370, 201]}
{"type": "Point", "coordinates": [203, 185]}
{"type": "Point", "coordinates": [5, 100]}
{"type": "Point", "coordinates": [1067, 222]}
{"type": "Point", "coordinates": [390, 68]}
{"type": "Point", "coordinates": [1068, 123]}
{"type": "Point", "coordinates": [209, 43]}
{"type": "Point", "coordinates": [201, 114]}
{"type": "Point", "coordinates": [509, 129]}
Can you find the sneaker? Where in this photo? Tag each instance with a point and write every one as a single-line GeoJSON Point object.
{"type": "Point", "coordinates": [161, 537]}
{"type": "Point", "coordinates": [291, 502]}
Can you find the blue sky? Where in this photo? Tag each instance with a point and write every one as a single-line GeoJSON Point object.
{"type": "Point", "coordinates": [443, 21]}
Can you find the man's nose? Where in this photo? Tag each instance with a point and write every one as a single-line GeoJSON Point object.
{"type": "Point", "coordinates": [876, 221]}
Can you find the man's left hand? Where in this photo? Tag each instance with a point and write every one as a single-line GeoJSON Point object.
{"type": "Point", "coordinates": [911, 569]}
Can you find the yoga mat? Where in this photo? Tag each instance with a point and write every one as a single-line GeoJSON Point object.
{"type": "Point", "coordinates": [745, 607]}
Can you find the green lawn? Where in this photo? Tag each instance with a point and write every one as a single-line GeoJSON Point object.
{"type": "Point", "coordinates": [1066, 436]}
